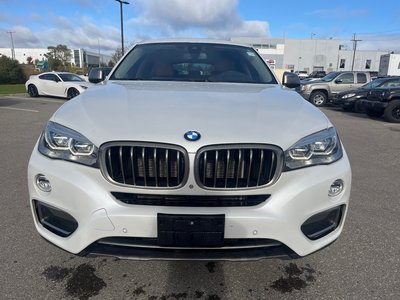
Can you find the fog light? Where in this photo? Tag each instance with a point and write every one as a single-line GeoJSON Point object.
{"type": "Point", "coordinates": [336, 188]}
{"type": "Point", "coordinates": [55, 220]}
{"type": "Point", "coordinates": [43, 183]}
{"type": "Point", "coordinates": [323, 223]}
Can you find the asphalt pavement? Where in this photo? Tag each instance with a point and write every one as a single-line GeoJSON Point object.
{"type": "Point", "coordinates": [363, 264]}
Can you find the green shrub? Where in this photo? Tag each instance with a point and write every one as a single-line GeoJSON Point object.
{"type": "Point", "coordinates": [10, 71]}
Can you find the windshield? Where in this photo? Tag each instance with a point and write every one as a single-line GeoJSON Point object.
{"type": "Point", "coordinates": [70, 77]}
{"type": "Point", "coordinates": [373, 84]}
{"type": "Point", "coordinates": [330, 76]}
{"type": "Point", "coordinates": [194, 62]}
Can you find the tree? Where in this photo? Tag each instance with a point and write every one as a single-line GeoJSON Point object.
{"type": "Point", "coordinates": [10, 71]}
{"type": "Point", "coordinates": [116, 56]}
{"type": "Point", "coordinates": [29, 60]}
{"type": "Point", "coordinates": [59, 57]}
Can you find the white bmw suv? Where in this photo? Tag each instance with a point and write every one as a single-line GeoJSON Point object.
{"type": "Point", "coordinates": [190, 150]}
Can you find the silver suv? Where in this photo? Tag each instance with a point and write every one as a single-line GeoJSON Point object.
{"type": "Point", "coordinates": [319, 92]}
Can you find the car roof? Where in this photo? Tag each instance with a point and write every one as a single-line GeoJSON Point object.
{"type": "Point", "coordinates": [191, 40]}
{"type": "Point", "coordinates": [55, 72]}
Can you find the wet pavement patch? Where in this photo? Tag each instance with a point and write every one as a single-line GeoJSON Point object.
{"type": "Point", "coordinates": [213, 297]}
{"type": "Point", "coordinates": [139, 290]}
{"type": "Point", "coordinates": [84, 283]}
{"type": "Point", "coordinates": [55, 273]}
{"type": "Point", "coordinates": [174, 296]}
{"type": "Point", "coordinates": [211, 266]}
{"type": "Point", "coordinates": [198, 294]}
{"type": "Point", "coordinates": [296, 278]}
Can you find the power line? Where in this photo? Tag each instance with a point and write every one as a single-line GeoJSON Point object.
{"type": "Point", "coordinates": [354, 40]}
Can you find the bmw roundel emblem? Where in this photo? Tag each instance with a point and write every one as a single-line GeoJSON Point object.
{"type": "Point", "coordinates": [192, 136]}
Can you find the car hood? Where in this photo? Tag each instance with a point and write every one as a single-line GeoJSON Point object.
{"type": "Point", "coordinates": [164, 111]}
{"type": "Point", "coordinates": [314, 81]}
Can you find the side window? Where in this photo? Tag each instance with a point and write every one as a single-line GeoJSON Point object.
{"type": "Point", "coordinates": [361, 78]}
{"type": "Point", "coordinates": [391, 83]}
{"type": "Point", "coordinates": [53, 77]}
{"type": "Point", "coordinates": [44, 77]}
{"type": "Point", "coordinates": [346, 78]}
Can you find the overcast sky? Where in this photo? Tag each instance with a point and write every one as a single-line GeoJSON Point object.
{"type": "Point", "coordinates": [95, 24]}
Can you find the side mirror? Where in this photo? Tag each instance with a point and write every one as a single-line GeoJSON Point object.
{"type": "Point", "coordinates": [96, 76]}
{"type": "Point", "coordinates": [338, 81]}
{"type": "Point", "coordinates": [290, 80]}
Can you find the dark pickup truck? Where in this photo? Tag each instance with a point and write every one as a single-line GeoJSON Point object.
{"type": "Point", "coordinates": [384, 101]}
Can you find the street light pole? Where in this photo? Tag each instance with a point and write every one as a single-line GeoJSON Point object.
{"type": "Point", "coordinates": [122, 22]}
{"type": "Point", "coordinates": [98, 42]}
{"type": "Point", "coordinates": [12, 44]}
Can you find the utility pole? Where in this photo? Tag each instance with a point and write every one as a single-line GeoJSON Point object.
{"type": "Point", "coordinates": [122, 22]}
{"type": "Point", "coordinates": [98, 41]}
{"type": "Point", "coordinates": [354, 40]}
{"type": "Point", "coordinates": [12, 44]}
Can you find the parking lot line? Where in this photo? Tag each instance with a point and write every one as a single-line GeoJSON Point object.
{"type": "Point", "coordinates": [20, 109]}
{"type": "Point", "coordinates": [34, 99]}
{"type": "Point", "coordinates": [391, 124]}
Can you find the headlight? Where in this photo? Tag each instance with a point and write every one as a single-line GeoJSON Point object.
{"type": "Point", "coordinates": [348, 95]}
{"type": "Point", "coordinates": [385, 94]}
{"type": "Point", "coordinates": [84, 87]}
{"type": "Point", "coordinates": [304, 87]}
{"type": "Point", "coordinates": [59, 142]}
{"type": "Point", "coordinates": [320, 148]}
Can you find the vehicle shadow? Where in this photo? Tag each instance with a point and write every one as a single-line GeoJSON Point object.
{"type": "Point", "coordinates": [195, 279]}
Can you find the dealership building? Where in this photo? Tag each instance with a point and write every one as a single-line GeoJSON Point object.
{"type": "Point", "coordinates": [79, 57]}
{"type": "Point", "coordinates": [312, 54]}
{"type": "Point", "coordinates": [290, 54]}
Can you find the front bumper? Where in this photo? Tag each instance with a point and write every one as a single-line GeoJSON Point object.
{"type": "Point", "coordinates": [374, 105]}
{"type": "Point", "coordinates": [348, 102]}
{"type": "Point", "coordinates": [83, 193]}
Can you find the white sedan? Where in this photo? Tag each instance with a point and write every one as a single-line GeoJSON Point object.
{"type": "Point", "coordinates": [58, 84]}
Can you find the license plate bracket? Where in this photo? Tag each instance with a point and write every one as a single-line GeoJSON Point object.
{"type": "Point", "coordinates": [190, 230]}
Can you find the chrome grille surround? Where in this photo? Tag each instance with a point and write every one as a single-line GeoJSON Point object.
{"type": "Point", "coordinates": [154, 165]}
{"type": "Point", "coordinates": [239, 166]}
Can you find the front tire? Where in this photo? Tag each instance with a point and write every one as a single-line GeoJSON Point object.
{"type": "Point", "coordinates": [33, 91]}
{"type": "Point", "coordinates": [72, 92]}
{"type": "Point", "coordinates": [392, 112]}
{"type": "Point", "coordinates": [318, 98]}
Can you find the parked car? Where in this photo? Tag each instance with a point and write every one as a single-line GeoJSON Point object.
{"type": "Point", "coordinates": [302, 74]}
{"type": "Point", "coordinates": [98, 74]}
{"type": "Point", "coordinates": [320, 91]}
{"type": "Point", "coordinates": [384, 101]}
{"type": "Point", "coordinates": [191, 149]}
{"type": "Point", "coordinates": [317, 74]}
{"type": "Point", "coordinates": [350, 100]}
{"type": "Point", "coordinates": [58, 84]}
